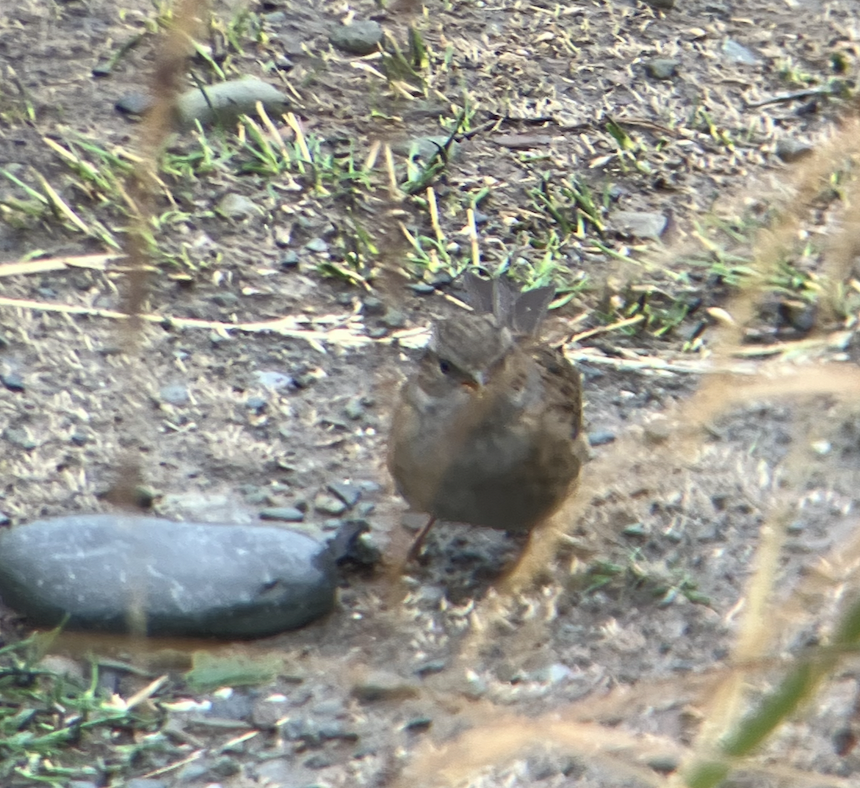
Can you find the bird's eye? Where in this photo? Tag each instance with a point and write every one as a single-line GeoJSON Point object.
{"type": "Point", "coordinates": [444, 366]}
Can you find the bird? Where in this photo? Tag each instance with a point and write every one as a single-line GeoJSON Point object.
{"type": "Point", "coordinates": [488, 430]}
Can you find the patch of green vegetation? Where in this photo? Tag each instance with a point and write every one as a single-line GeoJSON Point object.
{"type": "Point", "coordinates": [663, 583]}
{"type": "Point", "coordinates": [55, 728]}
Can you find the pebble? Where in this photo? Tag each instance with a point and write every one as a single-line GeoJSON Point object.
{"type": "Point", "coordinates": [290, 260]}
{"type": "Point", "coordinates": [657, 431]}
{"type": "Point", "coordinates": [20, 437]}
{"type": "Point", "coordinates": [393, 318]}
{"type": "Point", "coordinates": [225, 101]}
{"type": "Point", "coordinates": [418, 724]}
{"type": "Point", "coordinates": [133, 103]}
{"type": "Point", "coordinates": [639, 224]}
{"type": "Point", "coordinates": [791, 150]}
{"type": "Point", "coordinates": [360, 38]}
{"type": "Point", "coordinates": [422, 288]}
{"type": "Point", "coordinates": [371, 305]}
{"type": "Point", "coordinates": [328, 504]}
{"type": "Point", "coordinates": [237, 206]}
{"type": "Point", "coordinates": [317, 245]}
{"type": "Point", "coordinates": [269, 711]}
{"type": "Point", "coordinates": [661, 68]}
{"type": "Point", "coordinates": [195, 580]}
{"type": "Point", "coordinates": [383, 685]}
{"type": "Point", "coordinates": [145, 782]}
{"type": "Point", "coordinates": [256, 402]}
{"type": "Point", "coordinates": [272, 379]}
{"type": "Point", "coordinates": [12, 381]}
{"type": "Point", "coordinates": [738, 53]}
{"type": "Point", "coordinates": [174, 394]}
{"type": "Point", "coordinates": [353, 409]}
{"type": "Point", "coordinates": [348, 493]}
{"type": "Point", "coordinates": [600, 437]}
{"type": "Point", "coordinates": [287, 514]}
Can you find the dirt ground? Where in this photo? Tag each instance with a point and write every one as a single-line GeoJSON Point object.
{"type": "Point", "coordinates": [596, 673]}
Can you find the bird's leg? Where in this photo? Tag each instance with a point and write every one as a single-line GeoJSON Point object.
{"type": "Point", "coordinates": [419, 540]}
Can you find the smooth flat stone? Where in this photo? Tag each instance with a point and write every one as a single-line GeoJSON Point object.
{"type": "Point", "coordinates": [225, 101]}
{"type": "Point", "coordinates": [187, 579]}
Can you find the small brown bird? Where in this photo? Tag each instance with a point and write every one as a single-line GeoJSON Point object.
{"type": "Point", "coordinates": [489, 430]}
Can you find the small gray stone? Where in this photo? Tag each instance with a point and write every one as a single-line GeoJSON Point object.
{"type": "Point", "coordinates": [738, 53]}
{"type": "Point", "coordinates": [639, 224]}
{"type": "Point", "coordinates": [422, 288]}
{"type": "Point", "coordinates": [256, 402]}
{"type": "Point", "coordinates": [661, 68]}
{"type": "Point", "coordinates": [269, 711]}
{"type": "Point", "coordinates": [20, 437]}
{"type": "Point", "coordinates": [290, 260]}
{"type": "Point", "coordinates": [224, 102]}
{"type": "Point", "coordinates": [600, 437]}
{"type": "Point", "coordinates": [134, 104]}
{"type": "Point", "coordinates": [382, 685]}
{"type": "Point", "coordinates": [145, 782]}
{"type": "Point", "coordinates": [174, 394]}
{"type": "Point", "coordinates": [791, 150]}
{"type": "Point", "coordinates": [663, 5]}
{"type": "Point", "coordinates": [288, 514]}
{"type": "Point", "coordinates": [192, 772]}
{"type": "Point", "coordinates": [236, 707]}
{"type": "Point", "coordinates": [237, 206]}
{"type": "Point", "coordinates": [427, 147]}
{"type": "Point", "coordinates": [12, 381]}
{"type": "Point", "coordinates": [418, 724]}
{"type": "Point", "coordinates": [657, 431]}
{"type": "Point", "coordinates": [225, 299]}
{"type": "Point", "coordinates": [272, 379]}
{"type": "Point", "coordinates": [275, 17]}
{"type": "Point", "coordinates": [348, 493]}
{"type": "Point", "coordinates": [317, 245]}
{"type": "Point", "coordinates": [328, 504]}
{"type": "Point", "coordinates": [354, 409]}
{"type": "Point", "coordinates": [193, 580]}
{"type": "Point", "coordinates": [359, 38]}
{"type": "Point", "coordinates": [393, 318]}
{"type": "Point", "coordinates": [371, 305]}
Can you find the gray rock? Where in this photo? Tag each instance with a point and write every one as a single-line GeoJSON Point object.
{"type": "Point", "coordinates": [427, 147]}
{"type": "Point", "coordinates": [224, 102]}
{"type": "Point", "coordinates": [237, 206]}
{"type": "Point", "coordinates": [790, 150]}
{"type": "Point", "coordinates": [738, 53]}
{"type": "Point", "coordinates": [382, 685]}
{"type": "Point", "coordinates": [317, 245]}
{"type": "Point", "coordinates": [272, 379]}
{"type": "Point", "coordinates": [661, 68]}
{"type": "Point", "coordinates": [393, 318]}
{"type": "Point", "coordinates": [639, 224]}
{"type": "Point", "coordinates": [288, 514]}
{"type": "Point", "coordinates": [371, 305]}
{"type": "Point", "coordinates": [348, 493]}
{"type": "Point", "coordinates": [144, 782]}
{"type": "Point", "coordinates": [600, 437]}
{"type": "Point", "coordinates": [354, 409]}
{"type": "Point", "coordinates": [665, 5]}
{"type": "Point", "coordinates": [134, 104]}
{"type": "Point", "coordinates": [12, 381]}
{"type": "Point", "coordinates": [20, 437]}
{"type": "Point", "coordinates": [174, 394]}
{"type": "Point", "coordinates": [328, 504]}
{"type": "Point", "coordinates": [189, 579]}
{"type": "Point", "coordinates": [359, 38]}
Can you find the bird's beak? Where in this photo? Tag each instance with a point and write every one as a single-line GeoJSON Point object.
{"type": "Point", "coordinates": [475, 383]}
